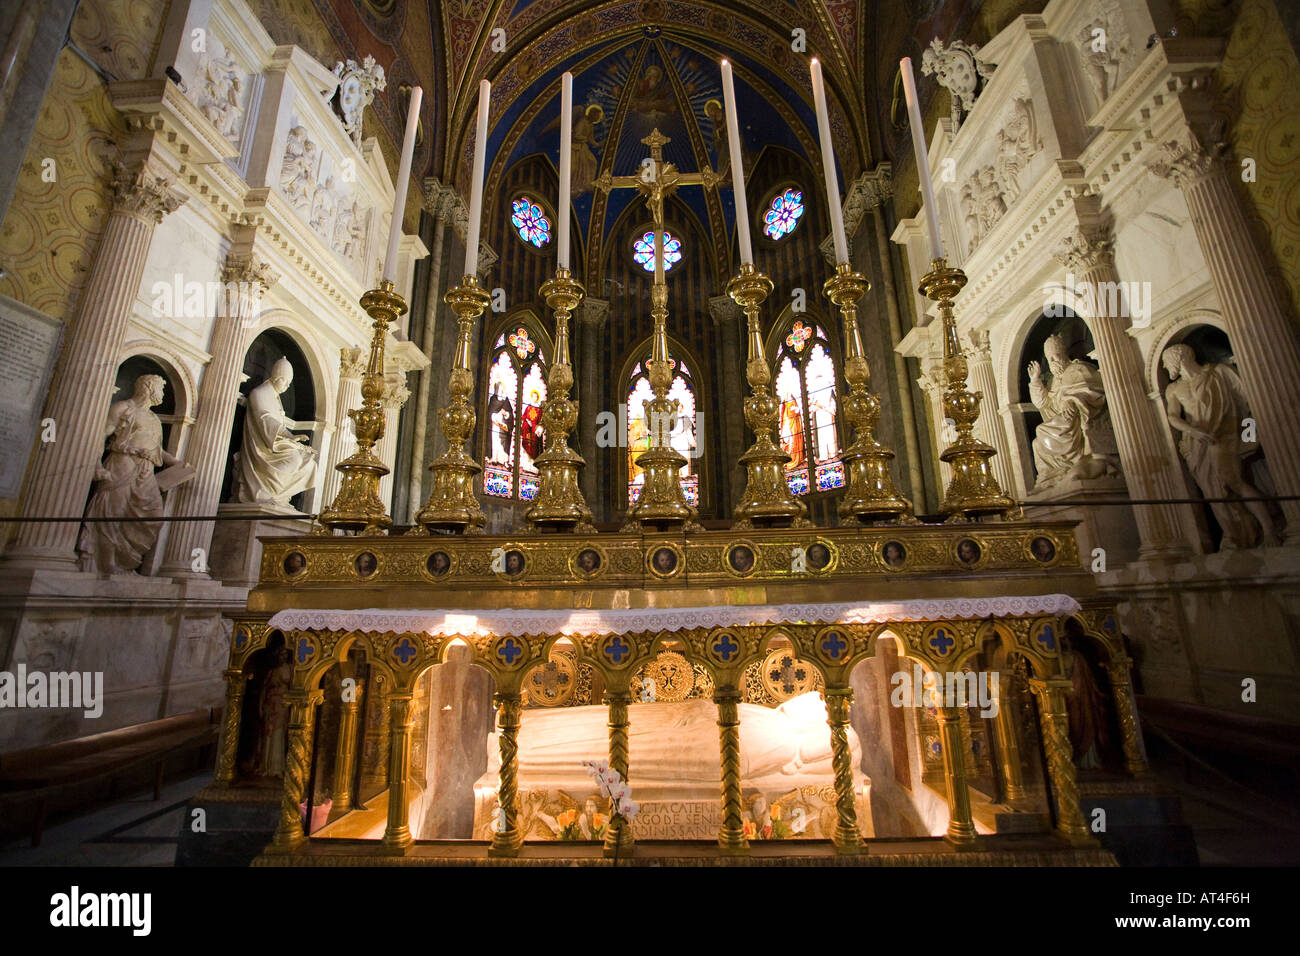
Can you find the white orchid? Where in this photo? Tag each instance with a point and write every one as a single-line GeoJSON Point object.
{"type": "Point", "coordinates": [612, 786]}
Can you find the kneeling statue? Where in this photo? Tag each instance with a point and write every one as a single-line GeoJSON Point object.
{"type": "Point", "coordinates": [273, 463]}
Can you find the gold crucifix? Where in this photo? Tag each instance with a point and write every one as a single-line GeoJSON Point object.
{"type": "Point", "coordinates": [657, 179]}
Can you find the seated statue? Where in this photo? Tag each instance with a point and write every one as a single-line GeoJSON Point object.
{"type": "Point", "coordinates": [125, 486]}
{"type": "Point", "coordinates": [273, 465]}
{"type": "Point", "coordinates": [1075, 439]}
{"type": "Point", "coordinates": [1207, 404]}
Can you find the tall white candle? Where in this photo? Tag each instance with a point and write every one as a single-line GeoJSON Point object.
{"type": "Point", "coordinates": [566, 161]}
{"type": "Point", "coordinates": [403, 180]}
{"type": "Point", "coordinates": [922, 157]}
{"type": "Point", "coordinates": [476, 190]}
{"type": "Point", "coordinates": [737, 170]}
{"type": "Point", "coordinates": [828, 164]}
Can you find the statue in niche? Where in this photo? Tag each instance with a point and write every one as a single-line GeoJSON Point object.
{"type": "Point", "coordinates": [1089, 719]}
{"type": "Point", "coordinates": [1075, 439]}
{"type": "Point", "coordinates": [298, 170]}
{"type": "Point", "coordinates": [219, 88]}
{"type": "Point", "coordinates": [1206, 405]}
{"type": "Point", "coordinates": [273, 711]}
{"type": "Point", "coordinates": [125, 485]}
{"type": "Point", "coordinates": [273, 464]}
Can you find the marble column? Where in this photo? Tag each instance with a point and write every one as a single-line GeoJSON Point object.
{"type": "Point", "coordinates": [961, 827]}
{"type": "Point", "coordinates": [397, 832]}
{"type": "Point", "coordinates": [591, 347]}
{"type": "Point", "coordinates": [1054, 727]}
{"type": "Point", "coordinates": [988, 427]}
{"type": "Point", "coordinates": [878, 189]}
{"type": "Point", "coordinates": [1087, 252]}
{"type": "Point", "coordinates": [1260, 325]}
{"type": "Point", "coordinates": [289, 832]}
{"type": "Point", "coordinates": [352, 366]}
{"type": "Point", "coordinates": [440, 202]}
{"type": "Point", "coordinates": [727, 316]}
{"type": "Point", "coordinates": [81, 391]}
{"type": "Point", "coordinates": [247, 278]}
{"type": "Point", "coordinates": [395, 395]}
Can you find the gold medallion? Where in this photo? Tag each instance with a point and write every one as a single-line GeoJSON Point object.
{"type": "Point", "coordinates": [668, 678]}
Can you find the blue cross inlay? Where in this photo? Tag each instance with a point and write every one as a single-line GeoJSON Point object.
{"type": "Point", "coordinates": [725, 648]}
{"type": "Point", "coordinates": [241, 638]}
{"type": "Point", "coordinates": [941, 642]}
{"type": "Point", "coordinates": [305, 650]}
{"type": "Point", "coordinates": [405, 651]}
{"type": "Point", "coordinates": [1047, 637]}
{"type": "Point", "coordinates": [616, 650]}
{"type": "Point", "coordinates": [508, 650]}
{"type": "Point", "coordinates": [834, 645]}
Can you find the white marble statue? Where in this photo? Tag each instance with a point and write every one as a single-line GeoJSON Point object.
{"type": "Point", "coordinates": [1075, 439]}
{"type": "Point", "coordinates": [1207, 406]}
{"type": "Point", "coordinates": [273, 464]}
{"type": "Point", "coordinates": [125, 486]}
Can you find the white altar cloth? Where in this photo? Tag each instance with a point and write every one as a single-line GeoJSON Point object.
{"type": "Point", "coordinates": [578, 621]}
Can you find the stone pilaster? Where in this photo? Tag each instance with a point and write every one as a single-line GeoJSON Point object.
{"type": "Point", "coordinates": [932, 383]}
{"type": "Point", "coordinates": [591, 345]}
{"type": "Point", "coordinates": [1258, 322]}
{"type": "Point", "coordinates": [1162, 529]}
{"type": "Point", "coordinates": [727, 317]}
{"type": "Point", "coordinates": [81, 391]}
{"type": "Point", "coordinates": [395, 395]}
{"type": "Point", "coordinates": [988, 428]}
{"type": "Point", "coordinates": [247, 279]}
{"type": "Point", "coordinates": [352, 365]}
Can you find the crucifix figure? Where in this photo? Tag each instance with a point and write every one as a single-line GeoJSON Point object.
{"type": "Point", "coordinates": [662, 502]}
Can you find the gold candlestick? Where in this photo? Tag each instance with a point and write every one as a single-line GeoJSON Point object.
{"type": "Point", "coordinates": [662, 503]}
{"type": "Point", "coordinates": [973, 490]}
{"type": "Point", "coordinates": [559, 503]}
{"type": "Point", "coordinates": [358, 507]}
{"type": "Point", "coordinates": [768, 500]}
{"type": "Point", "coordinates": [452, 505]}
{"type": "Point", "coordinates": [870, 495]}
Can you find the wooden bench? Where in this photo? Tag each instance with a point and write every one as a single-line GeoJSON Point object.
{"type": "Point", "coordinates": [41, 773]}
{"type": "Point", "coordinates": [1267, 741]}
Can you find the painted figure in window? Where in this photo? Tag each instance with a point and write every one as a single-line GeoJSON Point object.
{"type": "Point", "coordinates": [792, 433]}
{"type": "Point", "coordinates": [530, 427]}
{"type": "Point", "coordinates": [501, 413]}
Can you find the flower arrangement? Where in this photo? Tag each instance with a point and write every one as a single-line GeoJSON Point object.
{"type": "Point", "coordinates": [611, 785]}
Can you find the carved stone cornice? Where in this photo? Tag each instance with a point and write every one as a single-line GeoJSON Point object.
{"type": "Point", "coordinates": [724, 310]}
{"type": "Point", "coordinates": [592, 313]}
{"type": "Point", "coordinates": [250, 269]}
{"type": "Point", "coordinates": [352, 363]}
{"type": "Point", "coordinates": [1085, 248]}
{"type": "Point", "coordinates": [144, 191]}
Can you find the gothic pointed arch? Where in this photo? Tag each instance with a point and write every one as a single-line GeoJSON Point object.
{"type": "Point", "coordinates": [805, 375]}
{"type": "Point", "coordinates": [514, 387]}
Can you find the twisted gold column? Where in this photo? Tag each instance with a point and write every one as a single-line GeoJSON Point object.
{"type": "Point", "coordinates": [870, 495]}
{"type": "Point", "coordinates": [345, 755]}
{"type": "Point", "coordinates": [289, 831]}
{"type": "Point", "coordinates": [618, 837]}
{"type": "Point", "coordinates": [397, 833]}
{"type": "Point", "coordinates": [1054, 723]}
{"type": "Point", "coordinates": [1004, 729]}
{"type": "Point", "coordinates": [236, 684]}
{"type": "Point", "coordinates": [507, 839]}
{"type": "Point", "coordinates": [559, 503]}
{"type": "Point", "coordinates": [847, 838]}
{"type": "Point", "coordinates": [358, 506]}
{"type": "Point", "coordinates": [961, 828]}
{"type": "Point", "coordinates": [1121, 685]}
{"type": "Point", "coordinates": [731, 838]}
{"type": "Point", "coordinates": [452, 505]}
{"type": "Point", "coordinates": [768, 500]}
{"type": "Point", "coordinates": [973, 490]}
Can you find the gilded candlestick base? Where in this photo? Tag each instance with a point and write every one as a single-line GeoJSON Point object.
{"type": "Point", "coordinates": [559, 503]}
{"type": "Point", "coordinates": [358, 507]}
{"type": "Point", "coordinates": [973, 490]}
{"type": "Point", "coordinates": [767, 501]}
{"type": "Point", "coordinates": [452, 505]}
{"type": "Point", "coordinates": [870, 495]}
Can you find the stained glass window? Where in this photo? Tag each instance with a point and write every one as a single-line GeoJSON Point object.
{"type": "Point", "coordinates": [530, 222]}
{"type": "Point", "coordinates": [644, 251]}
{"type": "Point", "coordinates": [682, 433]}
{"type": "Point", "coordinates": [783, 213]}
{"type": "Point", "coordinates": [516, 391]}
{"type": "Point", "coordinates": [805, 391]}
